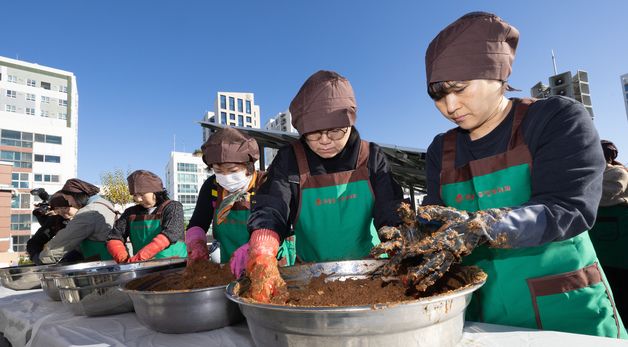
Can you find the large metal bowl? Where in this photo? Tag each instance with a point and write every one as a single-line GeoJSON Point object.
{"type": "Point", "coordinates": [94, 291]}
{"type": "Point", "coordinates": [182, 311]}
{"type": "Point", "coordinates": [48, 274]}
{"type": "Point", "coordinates": [22, 277]}
{"type": "Point", "coordinates": [431, 321]}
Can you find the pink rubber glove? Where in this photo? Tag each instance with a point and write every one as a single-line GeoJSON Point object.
{"type": "Point", "coordinates": [196, 242]}
{"type": "Point", "coordinates": [238, 260]}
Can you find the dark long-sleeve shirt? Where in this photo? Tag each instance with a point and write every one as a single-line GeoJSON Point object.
{"type": "Point", "coordinates": [204, 210]}
{"type": "Point", "coordinates": [566, 172]}
{"type": "Point", "coordinates": [172, 222]}
{"type": "Point", "coordinates": [275, 204]}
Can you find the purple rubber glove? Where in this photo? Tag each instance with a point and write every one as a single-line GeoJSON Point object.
{"type": "Point", "coordinates": [238, 260]}
{"type": "Point", "coordinates": [196, 243]}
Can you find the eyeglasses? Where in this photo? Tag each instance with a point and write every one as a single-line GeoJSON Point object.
{"type": "Point", "coordinates": [332, 134]}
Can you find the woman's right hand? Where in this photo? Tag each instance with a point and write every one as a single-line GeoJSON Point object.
{"type": "Point", "coordinates": [196, 244]}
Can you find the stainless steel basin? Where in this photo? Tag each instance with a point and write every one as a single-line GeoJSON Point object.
{"type": "Point", "coordinates": [22, 277]}
{"type": "Point", "coordinates": [48, 274]}
{"type": "Point", "coordinates": [182, 311]}
{"type": "Point", "coordinates": [94, 291]}
{"type": "Point", "coordinates": [431, 321]}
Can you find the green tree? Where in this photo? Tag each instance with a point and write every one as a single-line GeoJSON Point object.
{"type": "Point", "coordinates": [114, 187]}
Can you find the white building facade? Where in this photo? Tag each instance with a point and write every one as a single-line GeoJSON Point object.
{"type": "Point", "coordinates": [281, 122]}
{"type": "Point", "coordinates": [234, 109]}
{"type": "Point", "coordinates": [38, 134]}
{"type": "Point", "coordinates": [185, 174]}
{"type": "Point", "coordinates": [624, 91]}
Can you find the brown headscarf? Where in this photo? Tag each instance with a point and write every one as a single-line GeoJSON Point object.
{"type": "Point", "coordinates": [325, 101]}
{"type": "Point", "coordinates": [143, 181]}
{"type": "Point", "coordinates": [478, 45]}
{"type": "Point", "coordinates": [61, 199]}
{"type": "Point", "coordinates": [229, 145]}
{"type": "Point", "coordinates": [610, 152]}
{"type": "Point", "coordinates": [75, 185]}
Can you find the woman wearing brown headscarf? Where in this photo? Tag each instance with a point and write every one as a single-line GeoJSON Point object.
{"type": "Point", "coordinates": [224, 201]}
{"type": "Point", "coordinates": [330, 189]}
{"type": "Point", "coordinates": [530, 173]}
{"type": "Point", "coordinates": [154, 225]}
{"type": "Point", "coordinates": [89, 217]}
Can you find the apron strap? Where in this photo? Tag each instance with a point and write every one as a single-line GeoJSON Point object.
{"type": "Point", "coordinates": [161, 208]}
{"type": "Point", "coordinates": [115, 212]}
{"type": "Point", "coordinates": [299, 152]}
{"type": "Point", "coordinates": [363, 155]}
{"type": "Point", "coordinates": [449, 150]}
{"type": "Point", "coordinates": [521, 109]}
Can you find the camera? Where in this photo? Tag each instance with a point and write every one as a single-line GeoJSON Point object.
{"type": "Point", "coordinates": [41, 208]}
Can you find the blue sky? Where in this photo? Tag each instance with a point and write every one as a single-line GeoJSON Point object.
{"type": "Point", "coordinates": [148, 70]}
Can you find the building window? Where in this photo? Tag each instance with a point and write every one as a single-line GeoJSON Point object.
{"type": "Point", "coordinates": [21, 201]}
{"type": "Point", "coordinates": [223, 117]}
{"type": "Point", "coordinates": [223, 101]}
{"type": "Point", "coordinates": [63, 89]}
{"type": "Point", "coordinates": [63, 115]}
{"type": "Point", "coordinates": [187, 188]}
{"type": "Point", "coordinates": [43, 113]}
{"type": "Point", "coordinates": [46, 178]}
{"type": "Point", "coordinates": [231, 103]}
{"type": "Point", "coordinates": [21, 222]}
{"type": "Point", "coordinates": [248, 106]}
{"type": "Point", "coordinates": [63, 103]}
{"type": "Point", "coordinates": [240, 105]}
{"type": "Point", "coordinates": [19, 180]}
{"type": "Point", "coordinates": [186, 178]}
{"type": "Point", "coordinates": [249, 119]}
{"type": "Point", "coordinates": [45, 85]}
{"type": "Point", "coordinates": [11, 94]}
{"type": "Point", "coordinates": [19, 242]}
{"type": "Point", "coordinates": [19, 159]}
{"type": "Point", "coordinates": [30, 111]}
{"type": "Point", "coordinates": [231, 116]}
{"type": "Point", "coordinates": [45, 99]}
{"type": "Point", "coordinates": [187, 167]}
{"type": "Point", "coordinates": [31, 82]}
{"type": "Point", "coordinates": [16, 138]}
{"type": "Point", "coordinates": [30, 97]}
{"type": "Point", "coordinates": [187, 199]}
{"type": "Point", "coordinates": [240, 120]}
{"type": "Point", "coordinates": [47, 158]}
{"type": "Point", "coordinates": [10, 108]}
{"type": "Point", "coordinates": [12, 78]}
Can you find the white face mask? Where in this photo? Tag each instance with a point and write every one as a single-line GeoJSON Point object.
{"type": "Point", "coordinates": [233, 182]}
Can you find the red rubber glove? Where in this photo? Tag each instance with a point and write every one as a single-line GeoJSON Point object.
{"type": "Point", "coordinates": [118, 251]}
{"type": "Point", "coordinates": [196, 243]}
{"type": "Point", "coordinates": [159, 243]}
{"type": "Point", "coordinates": [261, 268]}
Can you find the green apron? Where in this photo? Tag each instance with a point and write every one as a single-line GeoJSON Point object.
{"type": "Point", "coordinates": [334, 220]}
{"type": "Point", "coordinates": [97, 250]}
{"type": "Point", "coordinates": [610, 236]}
{"type": "Point", "coordinates": [233, 233]}
{"type": "Point", "coordinates": [144, 228]}
{"type": "Point", "coordinates": [555, 286]}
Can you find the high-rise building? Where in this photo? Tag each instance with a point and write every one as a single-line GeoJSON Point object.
{"type": "Point", "coordinates": [38, 135]}
{"type": "Point", "coordinates": [185, 174]}
{"type": "Point", "coordinates": [281, 122]}
{"type": "Point", "coordinates": [624, 89]}
{"type": "Point", "coordinates": [235, 109]}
